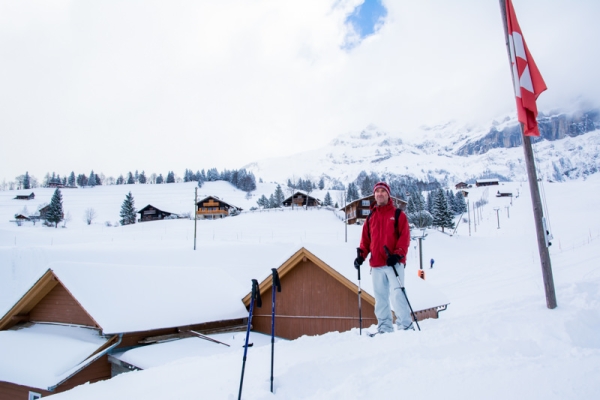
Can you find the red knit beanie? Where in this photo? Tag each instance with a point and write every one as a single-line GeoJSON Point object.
{"type": "Point", "coordinates": [382, 185]}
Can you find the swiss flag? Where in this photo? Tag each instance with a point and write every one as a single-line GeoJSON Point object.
{"type": "Point", "coordinates": [528, 81]}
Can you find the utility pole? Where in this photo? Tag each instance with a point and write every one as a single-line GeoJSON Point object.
{"type": "Point", "coordinates": [195, 214]}
{"type": "Point", "coordinates": [497, 209]}
{"type": "Point", "coordinates": [535, 192]}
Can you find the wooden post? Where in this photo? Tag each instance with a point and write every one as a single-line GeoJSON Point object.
{"type": "Point", "coordinates": [535, 195]}
{"type": "Point", "coordinates": [195, 214]}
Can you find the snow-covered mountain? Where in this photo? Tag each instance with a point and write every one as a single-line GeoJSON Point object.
{"type": "Point", "coordinates": [568, 148]}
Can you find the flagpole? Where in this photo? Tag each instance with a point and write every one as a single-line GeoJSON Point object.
{"type": "Point", "coordinates": [535, 194]}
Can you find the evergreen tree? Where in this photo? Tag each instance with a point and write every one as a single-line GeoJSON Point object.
{"type": "Point", "coordinates": [263, 202]}
{"type": "Point", "coordinates": [72, 181]}
{"type": "Point", "coordinates": [82, 180]}
{"type": "Point", "coordinates": [430, 201]}
{"type": "Point", "coordinates": [460, 202]}
{"type": "Point", "coordinates": [128, 214]}
{"type": "Point", "coordinates": [55, 211]}
{"type": "Point", "coordinates": [98, 180]}
{"type": "Point", "coordinates": [279, 196]}
{"type": "Point", "coordinates": [321, 184]}
{"type": "Point", "coordinates": [327, 200]}
{"type": "Point", "coordinates": [130, 180]}
{"type": "Point", "coordinates": [272, 202]}
{"type": "Point", "coordinates": [26, 181]}
{"type": "Point", "coordinates": [120, 180]}
{"type": "Point", "coordinates": [352, 193]}
{"type": "Point", "coordinates": [92, 179]}
{"type": "Point", "coordinates": [159, 179]}
{"type": "Point", "coordinates": [142, 178]}
{"type": "Point", "coordinates": [170, 177]}
{"type": "Point", "coordinates": [442, 216]}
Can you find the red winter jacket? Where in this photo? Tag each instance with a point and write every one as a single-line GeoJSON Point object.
{"type": "Point", "coordinates": [381, 227]}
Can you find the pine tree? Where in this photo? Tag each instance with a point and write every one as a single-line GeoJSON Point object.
{"type": "Point", "coordinates": [92, 179]}
{"type": "Point", "coordinates": [263, 202]}
{"type": "Point", "coordinates": [279, 196]}
{"type": "Point", "coordinates": [55, 211]}
{"type": "Point", "coordinates": [460, 202]}
{"type": "Point", "coordinates": [71, 182]}
{"type": "Point", "coordinates": [130, 180]}
{"type": "Point", "coordinates": [171, 177]}
{"type": "Point", "coordinates": [442, 215]}
{"type": "Point", "coordinates": [321, 184]}
{"type": "Point", "coordinates": [128, 215]}
{"type": "Point", "coordinates": [142, 178]}
{"type": "Point", "coordinates": [327, 199]}
{"type": "Point", "coordinates": [272, 202]}
{"type": "Point", "coordinates": [120, 180]}
{"type": "Point", "coordinates": [159, 179]}
{"type": "Point", "coordinates": [26, 182]}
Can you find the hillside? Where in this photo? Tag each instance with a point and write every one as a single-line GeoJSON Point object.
{"type": "Point", "coordinates": [497, 339]}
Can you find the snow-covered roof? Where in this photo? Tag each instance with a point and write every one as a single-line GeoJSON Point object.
{"type": "Point", "coordinates": [145, 357]}
{"type": "Point", "coordinates": [130, 298]}
{"type": "Point", "coordinates": [43, 355]}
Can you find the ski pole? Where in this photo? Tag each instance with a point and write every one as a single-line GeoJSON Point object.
{"type": "Point", "coordinates": [387, 252]}
{"type": "Point", "coordinates": [255, 297]}
{"type": "Point", "coordinates": [359, 253]}
{"type": "Point", "coordinates": [276, 285]}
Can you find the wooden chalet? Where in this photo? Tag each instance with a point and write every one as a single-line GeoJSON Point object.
{"type": "Point", "coordinates": [461, 185]}
{"type": "Point", "coordinates": [301, 199]}
{"type": "Point", "coordinates": [25, 196]}
{"type": "Point", "coordinates": [358, 211]}
{"type": "Point", "coordinates": [112, 308]}
{"type": "Point", "coordinates": [504, 194]}
{"type": "Point", "coordinates": [486, 182]}
{"type": "Point", "coordinates": [151, 213]}
{"type": "Point", "coordinates": [213, 207]}
{"type": "Point", "coordinates": [317, 298]}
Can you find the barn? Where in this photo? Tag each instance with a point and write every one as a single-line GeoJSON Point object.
{"type": "Point", "coordinates": [151, 213]}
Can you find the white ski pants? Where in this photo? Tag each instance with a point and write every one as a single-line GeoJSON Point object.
{"type": "Point", "coordinates": [386, 287]}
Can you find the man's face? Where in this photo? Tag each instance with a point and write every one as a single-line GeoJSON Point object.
{"type": "Point", "coordinates": [381, 196]}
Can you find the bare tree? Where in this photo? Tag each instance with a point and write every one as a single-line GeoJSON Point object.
{"type": "Point", "coordinates": [66, 219]}
{"type": "Point", "coordinates": [89, 215]}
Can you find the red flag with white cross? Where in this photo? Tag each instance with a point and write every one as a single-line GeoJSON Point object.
{"type": "Point", "coordinates": [528, 82]}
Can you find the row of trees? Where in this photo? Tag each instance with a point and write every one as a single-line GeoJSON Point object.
{"type": "Point", "coordinates": [438, 210]}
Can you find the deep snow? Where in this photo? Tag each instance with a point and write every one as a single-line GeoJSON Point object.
{"type": "Point", "coordinates": [497, 339]}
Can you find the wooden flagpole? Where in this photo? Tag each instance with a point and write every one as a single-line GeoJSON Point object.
{"type": "Point", "coordinates": [538, 213]}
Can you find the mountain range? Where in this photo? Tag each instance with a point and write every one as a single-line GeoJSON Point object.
{"type": "Point", "coordinates": [568, 148]}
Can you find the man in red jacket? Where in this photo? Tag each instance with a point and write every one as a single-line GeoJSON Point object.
{"type": "Point", "coordinates": [381, 229]}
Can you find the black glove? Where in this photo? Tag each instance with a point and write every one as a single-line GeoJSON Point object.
{"type": "Point", "coordinates": [393, 259]}
{"type": "Point", "coordinates": [359, 259]}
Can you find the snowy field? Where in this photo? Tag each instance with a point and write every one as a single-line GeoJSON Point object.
{"type": "Point", "coordinates": [496, 340]}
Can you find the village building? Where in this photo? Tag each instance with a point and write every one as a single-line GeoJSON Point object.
{"type": "Point", "coordinates": [151, 213]}
{"type": "Point", "coordinates": [486, 182]}
{"type": "Point", "coordinates": [213, 207]}
{"type": "Point", "coordinates": [90, 322]}
{"type": "Point", "coordinates": [461, 185]}
{"type": "Point", "coordinates": [61, 332]}
{"type": "Point", "coordinates": [319, 295]}
{"type": "Point", "coordinates": [25, 196]}
{"type": "Point", "coordinates": [300, 199]}
{"type": "Point", "coordinates": [504, 194]}
{"type": "Point", "coordinates": [358, 211]}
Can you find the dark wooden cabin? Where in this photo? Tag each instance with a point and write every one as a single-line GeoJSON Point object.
{"type": "Point", "coordinates": [151, 213]}
{"type": "Point", "coordinates": [213, 207]}
{"type": "Point", "coordinates": [358, 210]}
{"type": "Point", "coordinates": [486, 182]}
{"type": "Point", "coordinates": [25, 196]}
{"type": "Point", "coordinates": [301, 199]}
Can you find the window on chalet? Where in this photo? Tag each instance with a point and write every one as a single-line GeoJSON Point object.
{"type": "Point", "coordinates": [34, 396]}
{"type": "Point", "coordinates": [365, 203]}
{"type": "Point", "coordinates": [365, 212]}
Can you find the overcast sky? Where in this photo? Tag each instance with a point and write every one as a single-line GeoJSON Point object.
{"type": "Point", "coordinates": [118, 86]}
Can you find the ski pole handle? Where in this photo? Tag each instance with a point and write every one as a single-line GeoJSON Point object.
{"type": "Point", "coordinates": [358, 254]}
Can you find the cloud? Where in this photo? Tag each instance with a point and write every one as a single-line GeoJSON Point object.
{"type": "Point", "coordinates": [117, 86]}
